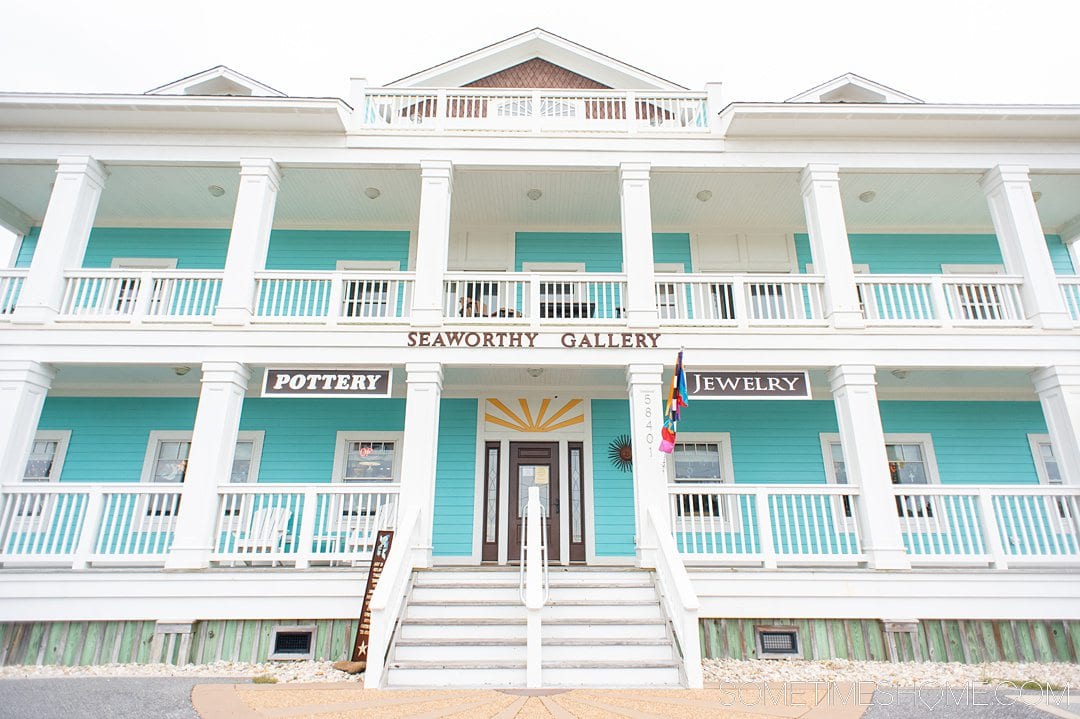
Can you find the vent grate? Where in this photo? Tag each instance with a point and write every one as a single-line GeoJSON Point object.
{"type": "Point", "coordinates": [292, 643]}
{"type": "Point", "coordinates": [778, 642]}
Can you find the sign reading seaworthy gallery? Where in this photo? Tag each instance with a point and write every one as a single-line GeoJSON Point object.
{"type": "Point", "coordinates": [747, 385]}
{"type": "Point", "coordinates": [326, 383]}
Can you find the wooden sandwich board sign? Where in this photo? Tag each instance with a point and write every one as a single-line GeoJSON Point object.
{"type": "Point", "coordinates": [358, 658]}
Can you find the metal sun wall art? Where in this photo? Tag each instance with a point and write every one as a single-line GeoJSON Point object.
{"type": "Point", "coordinates": [621, 453]}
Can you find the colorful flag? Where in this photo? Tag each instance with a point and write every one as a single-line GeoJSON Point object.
{"type": "Point", "coordinates": [677, 399]}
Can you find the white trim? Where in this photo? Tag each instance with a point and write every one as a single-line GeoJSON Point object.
{"type": "Point", "coordinates": [144, 263]}
{"type": "Point", "coordinates": [62, 437]}
{"type": "Point", "coordinates": [341, 441]}
{"type": "Point", "coordinates": [664, 268]}
{"type": "Point", "coordinates": [732, 523]}
{"type": "Point", "coordinates": [972, 269]}
{"type": "Point", "coordinates": [553, 267]}
{"type": "Point", "coordinates": [1034, 441]}
{"type": "Point", "coordinates": [860, 268]}
{"type": "Point", "coordinates": [163, 435]}
{"type": "Point", "coordinates": [368, 265]}
{"type": "Point", "coordinates": [925, 440]}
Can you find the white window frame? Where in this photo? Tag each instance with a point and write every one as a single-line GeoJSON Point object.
{"type": "Point", "coordinates": [373, 308]}
{"type": "Point", "coordinates": [157, 436]}
{"type": "Point", "coordinates": [144, 263]}
{"type": "Point", "coordinates": [367, 266]}
{"type": "Point", "coordinates": [972, 269]}
{"type": "Point", "coordinates": [561, 268]}
{"type": "Point", "coordinates": [678, 304]}
{"type": "Point", "coordinates": [341, 446]}
{"type": "Point", "coordinates": [727, 477]}
{"type": "Point", "coordinates": [1034, 441]}
{"type": "Point", "coordinates": [62, 437]}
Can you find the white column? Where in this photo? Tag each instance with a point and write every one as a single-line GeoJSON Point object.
{"type": "Point", "coordinates": [249, 240]}
{"type": "Point", "coordinates": [637, 245]}
{"type": "Point", "coordinates": [1059, 394]}
{"type": "Point", "coordinates": [645, 385]}
{"type": "Point", "coordinates": [820, 186]}
{"type": "Point", "coordinates": [421, 448]}
{"type": "Point", "coordinates": [854, 391]}
{"type": "Point", "coordinates": [714, 103]}
{"type": "Point", "coordinates": [64, 233]}
{"type": "Point", "coordinates": [1023, 245]}
{"type": "Point", "coordinates": [432, 242]}
{"type": "Point", "coordinates": [213, 444]}
{"type": "Point", "coordinates": [23, 387]}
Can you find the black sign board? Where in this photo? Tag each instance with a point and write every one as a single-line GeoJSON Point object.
{"type": "Point", "coordinates": [383, 541]}
{"type": "Point", "coordinates": [747, 385]}
{"type": "Point", "coordinates": [326, 383]}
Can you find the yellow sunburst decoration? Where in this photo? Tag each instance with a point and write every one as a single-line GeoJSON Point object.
{"type": "Point", "coordinates": [535, 419]}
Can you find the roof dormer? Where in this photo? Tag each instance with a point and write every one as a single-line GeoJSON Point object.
{"type": "Point", "coordinates": [218, 80]}
{"type": "Point", "coordinates": [855, 89]}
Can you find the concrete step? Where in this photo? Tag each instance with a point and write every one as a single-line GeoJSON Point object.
{"type": "Point", "coordinates": [460, 650]}
{"type": "Point", "coordinates": [606, 650]}
{"type": "Point", "coordinates": [459, 674]}
{"type": "Point", "coordinates": [587, 609]}
{"type": "Point", "coordinates": [465, 609]}
{"type": "Point", "coordinates": [611, 674]}
{"type": "Point", "coordinates": [603, 629]}
{"type": "Point", "coordinates": [594, 591]}
{"type": "Point", "coordinates": [505, 629]}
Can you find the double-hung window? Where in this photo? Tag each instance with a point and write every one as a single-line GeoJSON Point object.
{"type": "Point", "coordinates": [910, 460]}
{"type": "Point", "coordinates": [702, 459]}
{"type": "Point", "coordinates": [562, 299]}
{"type": "Point", "coordinates": [47, 456]}
{"type": "Point", "coordinates": [167, 455]}
{"type": "Point", "coordinates": [1048, 469]}
{"type": "Point", "coordinates": [367, 457]}
{"type": "Point", "coordinates": [368, 297]}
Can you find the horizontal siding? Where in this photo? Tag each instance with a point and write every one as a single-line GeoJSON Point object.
{"type": "Point", "coordinates": [613, 488]}
{"type": "Point", "coordinates": [924, 254]}
{"type": "Point", "coordinates": [301, 433]}
{"type": "Point", "coordinates": [27, 247]}
{"type": "Point", "coordinates": [672, 248]}
{"type": "Point", "coordinates": [194, 249]}
{"type": "Point", "coordinates": [321, 249]}
{"type": "Point", "coordinates": [455, 478]}
{"type": "Point", "coordinates": [109, 434]}
{"type": "Point", "coordinates": [599, 251]}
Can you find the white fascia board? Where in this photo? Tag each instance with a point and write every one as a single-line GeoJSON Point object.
{"type": "Point", "coordinates": [890, 95]}
{"type": "Point", "coordinates": [182, 112]}
{"type": "Point", "coordinates": [220, 71]}
{"type": "Point", "coordinates": [954, 122]}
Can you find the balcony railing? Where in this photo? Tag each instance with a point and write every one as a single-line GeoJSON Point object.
{"type": "Point", "coordinates": [11, 282]}
{"type": "Point", "coordinates": [941, 300]}
{"type": "Point", "coordinates": [741, 300]}
{"type": "Point", "coordinates": [472, 110]}
{"type": "Point", "coordinates": [535, 298]}
{"type": "Point", "coordinates": [346, 297]}
{"type": "Point", "coordinates": [151, 295]}
{"type": "Point", "coordinates": [1070, 292]}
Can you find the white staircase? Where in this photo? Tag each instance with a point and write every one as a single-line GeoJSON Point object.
{"type": "Point", "coordinates": [467, 628]}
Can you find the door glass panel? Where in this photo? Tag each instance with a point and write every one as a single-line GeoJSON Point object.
{"type": "Point", "coordinates": [532, 475]}
{"type": "Point", "coordinates": [492, 494]}
{"type": "Point", "coordinates": [575, 494]}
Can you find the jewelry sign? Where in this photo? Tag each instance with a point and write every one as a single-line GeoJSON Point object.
{"type": "Point", "coordinates": [747, 385]}
{"type": "Point", "coordinates": [326, 383]}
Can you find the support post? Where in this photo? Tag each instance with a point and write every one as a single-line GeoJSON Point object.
{"type": "Point", "coordinates": [854, 391]}
{"type": "Point", "coordinates": [1059, 393]}
{"type": "Point", "coordinates": [64, 234]}
{"type": "Point", "coordinates": [249, 240]}
{"type": "Point", "coordinates": [432, 242]}
{"type": "Point", "coordinates": [534, 589]}
{"type": "Point", "coordinates": [637, 245]}
{"type": "Point", "coordinates": [420, 452]}
{"type": "Point", "coordinates": [1023, 245]}
{"type": "Point", "coordinates": [820, 186]}
{"type": "Point", "coordinates": [213, 444]}
{"type": "Point", "coordinates": [23, 388]}
{"type": "Point", "coordinates": [714, 103]}
{"type": "Point", "coordinates": [644, 383]}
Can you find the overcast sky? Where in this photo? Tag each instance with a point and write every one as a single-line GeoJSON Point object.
{"type": "Point", "coordinates": [984, 51]}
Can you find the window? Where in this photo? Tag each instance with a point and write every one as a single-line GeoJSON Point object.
{"type": "Point", "coordinates": [127, 289]}
{"type": "Point", "coordinates": [167, 457]}
{"type": "Point", "coordinates": [563, 299]}
{"type": "Point", "coordinates": [976, 300]}
{"type": "Point", "coordinates": [669, 303]}
{"type": "Point", "coordinates": [367, 457]}
{"type": "Point", "coordinates": [1048, 469]}
{"type": "Point", "coordinates": [911, 461]}
{"type": "Point", "coordinates": [47, 456]}
{"type": "Point", "coordinates": [702, 458]}
{"type": "Point", "coordinates": [368, 297]}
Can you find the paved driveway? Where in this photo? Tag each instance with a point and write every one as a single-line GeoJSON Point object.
{"type": "Point", "coordinates": [100, 698]}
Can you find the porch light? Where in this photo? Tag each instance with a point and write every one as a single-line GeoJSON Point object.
{"type": "Point", "coordinates": [216, 190]}
{"type": "Point", "coordinates": [1036, 195]}
{"type": "Point", "coordinates": [704, 195]}
{"type": "Point", "coordinates": [181, 370]}
{"type": "Point", "coordinates": [372, 193]}
{"type": "Point", "coordinates": [535, 372]}
{"type": "Point", "coordinates": [867, 196]}
{"type": "Point", "coordinates": [534, 194]}
{"type": "Point", "coordinates": [900, 373]}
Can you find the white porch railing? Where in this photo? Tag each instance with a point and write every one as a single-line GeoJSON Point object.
{"type": "Point", "coordinates": [474, 110]}
{"type": "Point", "coordinates": [83, 524]}
{"type": "Point", "coordinates": [11, 282]}
{"type": "Point", "coordinates": [388, 599]}
{"type": "Point", "coordinates": [741, 300]}
{"type": "Point", "coordinates": [768, 525]}
{"type": "Point", "coordinates": [1070, 292]}
{"type": "Point", "coordinates": [1002, 526]}
{"type": "Point", "coordinates": [186, 295]}
{"type": "Point", "coordinates": [944, 300]}
{"type": "Point", "coordinates": [534, 298]}
{"type": "Point", "coordinates": [345, 297]}
{"type": "Point", "coordinates": [301, 524]}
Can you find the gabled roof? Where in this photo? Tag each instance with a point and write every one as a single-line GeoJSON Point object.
{"type": "Point", "coordinates": [532, 44]}
{"type": "Point", "coordinates": [852, 88]}
{"type": "Point", "coordinates": [218, 80]}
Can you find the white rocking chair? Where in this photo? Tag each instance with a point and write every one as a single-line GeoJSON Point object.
{"type": "Point", "coordinates": [266, 533]}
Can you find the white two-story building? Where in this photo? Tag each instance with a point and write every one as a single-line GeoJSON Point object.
{"type": "Point", "coordinates": [241, 332]}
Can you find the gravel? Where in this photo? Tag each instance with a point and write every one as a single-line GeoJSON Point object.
{"type": "Point", "coordinates": [282, 671]}
{"type": "Point", "coordinates": [892, 674]}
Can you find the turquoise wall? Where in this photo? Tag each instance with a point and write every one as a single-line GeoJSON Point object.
{"type": "Point", "coordinates": [301, 433]}
{"type": "Point", "coordinates": [201, 249]}
{"type": "Point", "coordinates": [455, 478]}
{"type": "Point", "coordinates": [600, 251]}
{"type": "Point", "coordinates": [321, 249]}
{"type": "Point", "coordinates": [27, 247]}
{"type": "Point", "coordinates": [924, 254]}
{"type": "Point", "coordinates": [109, 434]}
{"type": "Point", "coordinates": [613, 488]}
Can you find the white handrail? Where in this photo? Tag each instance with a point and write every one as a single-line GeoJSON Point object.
{"type": "Point", "coordinates": [680, 599]}
{"type": "Point", "coordinates": [533, 582]}
{"type": "Point", "coordinates": [389, 597]}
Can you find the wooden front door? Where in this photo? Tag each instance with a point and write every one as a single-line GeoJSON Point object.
{"type": "Point", "coordinates": [534, 464]}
